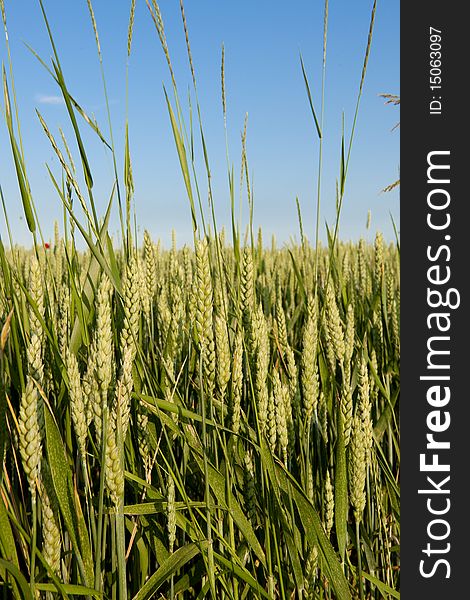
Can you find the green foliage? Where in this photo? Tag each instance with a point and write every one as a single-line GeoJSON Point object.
{"type": "Point", "coordinates": [247, 454]}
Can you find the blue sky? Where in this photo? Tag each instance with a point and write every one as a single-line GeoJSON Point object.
{"type": "Point", "coordinates": [263, 78]}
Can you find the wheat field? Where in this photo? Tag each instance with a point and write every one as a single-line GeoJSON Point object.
{"type": "Point", "coordinates": [191, 423]}
{"type": "Point", "coordinates": [213, 420]}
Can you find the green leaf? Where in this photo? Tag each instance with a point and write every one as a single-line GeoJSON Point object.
{"type": "Point", "coordinates": [159, 500]}
{"type": "Point", "coordinates": [92, 123]}
{"type": "Point", "coordinates": [76, 590]}
{"type": "Point", "coordinates": [84, 539]}
{"type": "Point", "coordinates": [191, 579]}
{"type": "Point", "coordinates": [7, 541]}
{"type": "Point", "coordinates": [218, 486]}
{"type": "Point", "coordinates": [91, 281]}
{"type": "Point", "coordinates": [168, 568]}
{"type": "Point", "coordinates": [268, 464]}
{"type": "Point", "coordinates": [155, 405]}
{"type": "Point", "coordinates": [157, 506]}
{"type": "Point", "coordinates": [18, 160]}
{"type": "Point", "coordinates": [68, 104]}
{"type": "Point", "coordinates": [146, 508]}
{"type": "Point", "coordinates": [3, 403]}
{"type": "Point", "coordinates": [310, 101]}
{"type": "Point", "coordinates": [128, 178]}
{"type": "Point", "coordinates": [342, 175]}
{"type": "Point", "coordinates": [315, 535]}
{"type": "Point", "coordinates": [387, 416]}
{"type": "Point", "coordinates": [341, 490]}
{"type": "Point", "coordinates": [18, 576]}
{"type": "Point", "coordinates": [383, 587]}
{"type": "Point", "coordinates": [395, 231]}
{"type": "Point", "coordinates": [295, 560]}
{"type": "Point", "coordinates": [183, 160]}
{"type": "Point", "coordinates": [62, 481]}
{"type": "Point", "coordinates": [242, 573]}
{"type": "Point", "coordinates": [7, 546]}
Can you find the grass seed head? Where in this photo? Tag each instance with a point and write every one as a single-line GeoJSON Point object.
{"type": "Point", "coordinates": [357, 468]}
{"type": "Point", "coordinates": [171, 513]}
{"type": "Point", "coordinates": [131, 305]}
{"type": "Point", "coordinates": [113, 467]}
{"type": "Point", "coordinates": [204, 314]}
{"type": "Point", "coordinates": [329, 504]}
{"type": "Point", "coordinates": [308, 362]}
{"type": "Point", "coordinates": [36, 291]}
{"type": "Point", "coordinates": [334, 323]}
{"type": "Point", "coordinates": [30, 432]}
{"type": "Point", "coordinates": [247, 287]}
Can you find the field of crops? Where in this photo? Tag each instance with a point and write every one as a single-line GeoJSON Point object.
{"type": "Point", "coordinates": [197, 421]}
{"type": "Point", "coordinates": [216, 420]}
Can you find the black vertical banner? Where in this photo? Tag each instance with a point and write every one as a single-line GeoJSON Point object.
{"type": "Point", "coordinates": [435, 319]}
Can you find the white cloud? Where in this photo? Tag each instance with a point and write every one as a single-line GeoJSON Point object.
{"type": "Point", "coordinates": [44, 99]}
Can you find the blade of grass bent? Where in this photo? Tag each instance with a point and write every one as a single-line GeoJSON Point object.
{"type": "Point", "coordinates": [61, 478]}
{"type": "Point", "coordinates": [61, 82]}
{"type": "Point", "coordinates": [183, 160]}
{"type": "Point", "coordinates": [309, 95]}
{"type": "Point", "coordinates": [92, 123]}
{"type": "Point", "coordinates": [19, 161]}
{"type": "Point", "coordinates": [19, 578]}
{"type": "Point", "coordinates": [170, 566]}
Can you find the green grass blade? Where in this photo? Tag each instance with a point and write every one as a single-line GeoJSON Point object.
{"type": "Point", "coordinates": [170, 567]}
{"type": "Point", "coordinates": [341, 490]}
{"type": "Point", "coordinates": [63, 88]}
{"type": "Point", "coordinates": [19, 578]}
{"type": "Point", "coordinates": [314, 533]}
{"type": "Point", "coordinates": [92, 123]}
{"type": "Point", "coordinates": [395, 231]}
{"type": "Point", "coordinates": [76, 590]}
{"type": "Point", "coordinates": [217, 484]}
{"type": "Point", "coordinates": [19, 162]}
{"type": "Point", "coordinates": [342, 175]}
{"type": "Point", "coordinates": [7, 546]}
{"type": "Point", "coordinates": [68, 104]}
{"type": "Point", "coordinates": [242, 574]}
{"type": "Point", "coordinates": [62, 481]}
{"type": "Point", "coordinates": [183, 160]}
{"type": "Point", "coordinates": [310, 101]}
{"type": "Point", "coordinates": [83, 538]}
{"type": "Point", "coordinates": [295, 560]}
{"type": "Point", "coordinates": [383, 587]}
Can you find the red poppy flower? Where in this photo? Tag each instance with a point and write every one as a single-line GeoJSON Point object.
{"type": "Point", "coordinates": [47, 246]}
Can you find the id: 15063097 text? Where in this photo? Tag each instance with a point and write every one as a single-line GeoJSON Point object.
{"type": "Point", "coordinates": [435, 71]}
